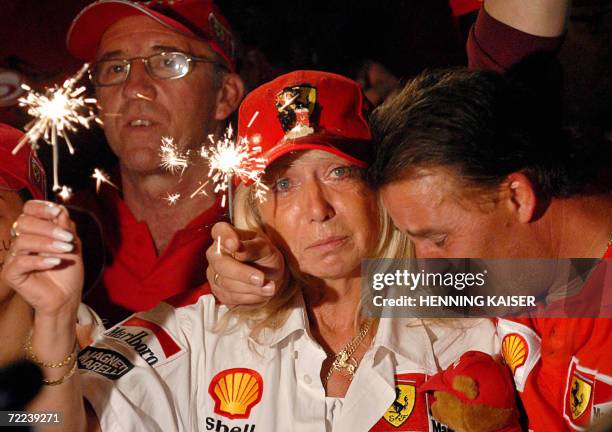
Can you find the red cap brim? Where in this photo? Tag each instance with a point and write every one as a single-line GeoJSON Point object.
{"type": "Point", "coordinates": [435, 383]}
{"type": "Point", "coordinates": [89, 26]}
{"type": "Point", "coordinates": [324, 142]}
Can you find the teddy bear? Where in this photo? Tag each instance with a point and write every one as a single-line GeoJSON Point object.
{"type": "Point", "coordinates": [474, 394]}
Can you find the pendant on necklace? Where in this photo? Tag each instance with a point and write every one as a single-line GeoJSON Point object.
{"type": "Point", "coordinates": [345, 364]}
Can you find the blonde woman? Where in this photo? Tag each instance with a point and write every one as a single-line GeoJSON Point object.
{"type": "Point", "coordinates": [307, 360]}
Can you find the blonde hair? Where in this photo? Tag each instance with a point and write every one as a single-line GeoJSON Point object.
{"type": "Point", "coordinates": [275, 312]}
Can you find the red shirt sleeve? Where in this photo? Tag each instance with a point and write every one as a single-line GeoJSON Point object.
{"type": "Point", "coordinates": [496, 46]}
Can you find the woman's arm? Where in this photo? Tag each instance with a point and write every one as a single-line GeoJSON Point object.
{"type": "Point", "coordinates": [15, 322]}
{"type": "Point", "coordinates": [545, 18]}
{"type": "Point", "coordinates": [45, 268]}
{"type": "Point", "coordinates": [507, 31]}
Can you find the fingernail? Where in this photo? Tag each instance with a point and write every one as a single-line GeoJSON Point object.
{"type": "Point", "coordinates": [268, 289]}
{"type": "Point", "coordinates": [231, 244]}
{"type": "Point", "coordinates": [51, 262]}
{"type": "Point", "coordinates": [62, 246]}
{"type": "Point", "coordinates": [256, 279]}
{"type": "Point", "coordinates": [62, 234]}
{"type": "Point", "coordinates": [52, 210]}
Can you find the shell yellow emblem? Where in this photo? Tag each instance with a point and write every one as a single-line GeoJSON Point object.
{"type": "Point", "coordinates": [235, 392]}
{"type": "Point", "coordinates": [580, 396]}
{"type": "Point", "coordinates": [402, 407]}
{"type": "Point", "coordinates": [515, 350]}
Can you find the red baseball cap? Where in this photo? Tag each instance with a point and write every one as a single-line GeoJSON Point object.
{"type": "Point", "coordinates": [307, 110]}
{"type": "Point", "coordinates": [495, 385]}
{"type": "Point", "coordinates": [194, 18]}
{"type": "Point", "coordinates": [23, 170]}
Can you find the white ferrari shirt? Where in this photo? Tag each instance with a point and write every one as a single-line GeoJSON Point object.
{"type": "Point", "coordinates": [169, 369]}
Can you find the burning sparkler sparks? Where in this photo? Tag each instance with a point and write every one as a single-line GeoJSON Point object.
{"type": "Point", "coordinates": [101, 177]}
{"type": "Point", "coordinates": [65, 193]}
{"type": "Point", "coordinates": [58, 111]}
{"type": "Point", "coordinates": [172, 198]}
{"type": "Point", "coordinates": [171, 158]}
{"type": "Point", "coordinates": [228, 158]}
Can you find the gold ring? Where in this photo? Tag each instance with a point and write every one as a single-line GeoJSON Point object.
{"type": "Point", "coordinates": [216, 278]}
{"type": "Point", "coordinates": [13, 231]}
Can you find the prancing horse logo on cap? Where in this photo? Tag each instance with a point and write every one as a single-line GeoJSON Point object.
{"type": "Point", "coordinates": [295, 106]}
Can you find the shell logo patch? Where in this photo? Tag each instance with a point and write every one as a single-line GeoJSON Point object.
{"type": "Point", "coordinates": [296, 105]}
{"type": "Point", "coordinates": [521, 349]}
{"type": "Point", "coordinates": [515, 350]}
{"type": "Point", "coordinates": [235, 392]}
{"type": "Point", "coordinates": [401, 408]}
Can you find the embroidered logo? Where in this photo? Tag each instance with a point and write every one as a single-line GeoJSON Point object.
{"type": "Point", "coordinates": [515, 350]}
{"type": "Point", "coordinates": [588, 395]}
{"type": "Point", "coordinates": [105, 362]}
{"type": "Point", "coordinates": [401, 408]}
{"type": "Point", "coordinates": [409, 409]}
{"type": "Point", "coordinates": [235, 392]}
{"type": "Point", "coordinates": [580, 395]}
{"type": "Point", "coordinates": [153, 343]}
{"type": "Point", "coordinates": [521, 348]}
{"type": "Point", "coordinates": [296, 105]}
{"type": "Point", "coordinates": [223, 37]}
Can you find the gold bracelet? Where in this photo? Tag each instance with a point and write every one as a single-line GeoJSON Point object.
{"type": "Point", "coordinates": [64, 378]}
{"type": "Point", "coordinates": [30, 353]}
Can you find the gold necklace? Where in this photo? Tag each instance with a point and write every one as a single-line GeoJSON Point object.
{"type": "Point", "coordinates": [344, 360]}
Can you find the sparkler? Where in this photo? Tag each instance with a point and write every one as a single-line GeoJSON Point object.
{"type": "Point", "coordinates": [171, 158]}
{"type": "Point", "coordinates": [200, 189]}
{"type": "Point", "coordinates": [228, 158]}
{"type": "Point", "coordinates": [65, 194]}
{"type": "Point", "coordinates": [101, 177]}
{"type": "Point", "coordinates": [58, 111]}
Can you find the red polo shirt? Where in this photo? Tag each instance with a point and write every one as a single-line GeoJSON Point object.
{"type": "Point", "coordinates": [135, 277]}
{"type": "Point", "coordinates": [562, 366]}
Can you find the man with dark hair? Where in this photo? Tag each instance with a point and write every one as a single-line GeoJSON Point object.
{"type": "Point", "coordinates": [462, 136]}
{"type": "Point", "coordinates": [472, 164]}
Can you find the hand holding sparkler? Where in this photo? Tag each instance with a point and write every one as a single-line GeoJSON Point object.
{"type": "Point", "coordinates": [244, 267]}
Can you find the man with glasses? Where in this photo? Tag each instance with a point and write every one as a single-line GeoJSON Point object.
{"type": "Point", "coordinates": [160, 69]}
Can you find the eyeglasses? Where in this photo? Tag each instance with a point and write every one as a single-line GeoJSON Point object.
{"type": "Point", "coordinates": [163, 66]}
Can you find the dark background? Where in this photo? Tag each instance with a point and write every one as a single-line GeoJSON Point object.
{"type": "Point", "coordinates": [340, 36]}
